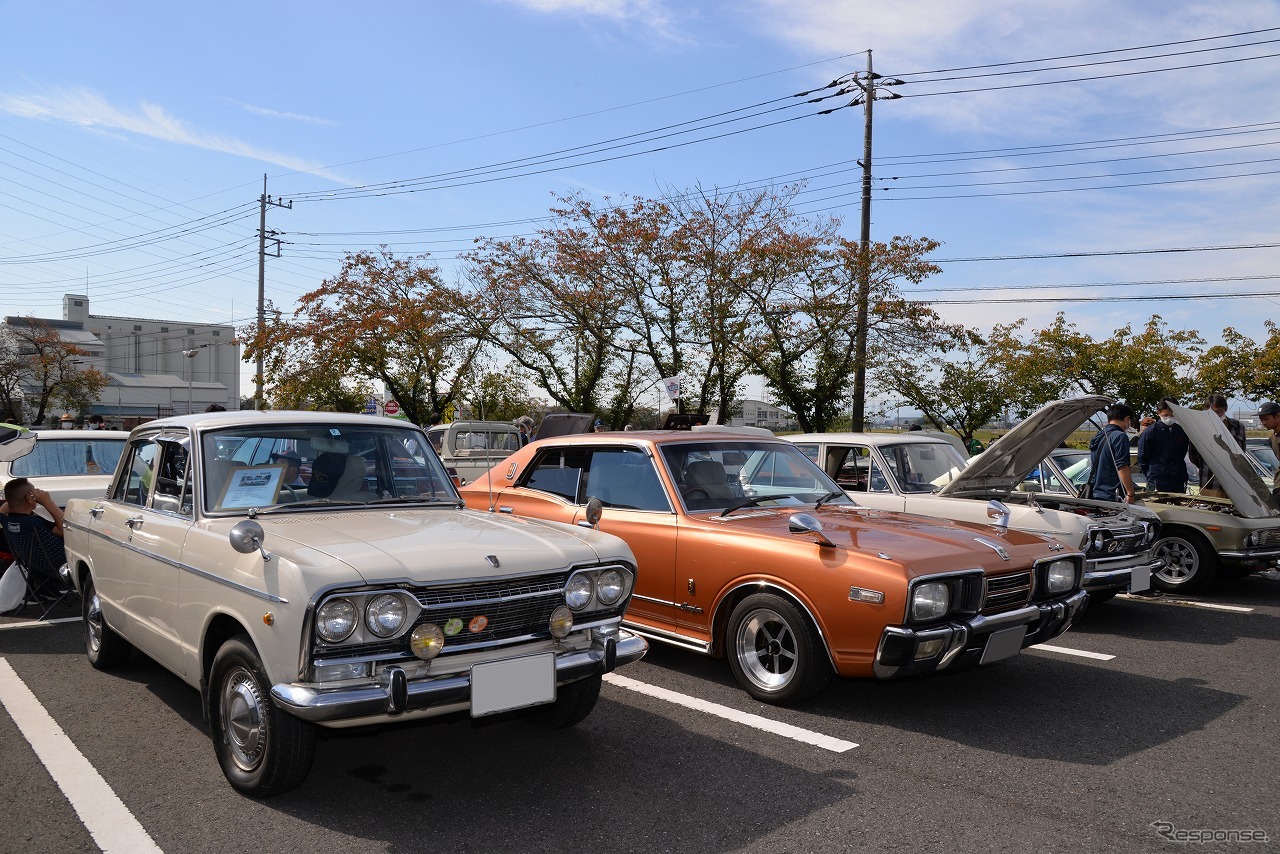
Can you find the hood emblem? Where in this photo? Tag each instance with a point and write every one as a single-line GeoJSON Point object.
{"type": "Point", "coordinates": [493, 559]}
{"type": "Point", "coordinates": [995, 547]}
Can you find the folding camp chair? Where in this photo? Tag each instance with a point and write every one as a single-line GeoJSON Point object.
{"type": "Point", "coordinates": [40, 557]}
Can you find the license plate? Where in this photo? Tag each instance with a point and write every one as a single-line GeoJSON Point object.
{"type": "Point", "coordinates": [1003, 644]}
{"type": "Point", "coordinates": [500, 686]}
{"type": "Point", "coordinates": [1140, 579]}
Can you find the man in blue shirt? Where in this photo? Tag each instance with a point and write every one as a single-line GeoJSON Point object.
{"type": "Point", "coordinates": [1109, 456]}
{"type": "Point", "coordinates": [1162, 451]}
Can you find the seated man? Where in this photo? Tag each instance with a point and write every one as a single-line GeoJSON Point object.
{"type": "Point", "coordinates": [21, 498]}
{"type": "Point", "coordinates": [35, 541]}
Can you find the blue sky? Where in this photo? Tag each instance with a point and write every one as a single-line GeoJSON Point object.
{"type": "Point", "coordinates": [134, 138]}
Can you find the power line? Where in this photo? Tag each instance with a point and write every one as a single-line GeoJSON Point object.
{"type": "Point", "coordinates": [1106, 252]}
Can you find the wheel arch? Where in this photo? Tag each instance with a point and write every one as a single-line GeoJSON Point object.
{"type": "Point", "coordinates": [222, 628]}
{"type": "Point", "coordinates": [741, 590]}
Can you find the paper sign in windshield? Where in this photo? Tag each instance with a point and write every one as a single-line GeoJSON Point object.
{"type": "Point", "coordinates": [255, 486]}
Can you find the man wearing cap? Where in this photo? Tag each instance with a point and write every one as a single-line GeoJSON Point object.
{"type": "Point", "coordinates": [1269, 415]}
{"type": "Point", "coordinates": [525, 424]}
{"type": "Point", "coordinates": [1162, 448]}
{"type": "Point", "coordinates": [292, 462]}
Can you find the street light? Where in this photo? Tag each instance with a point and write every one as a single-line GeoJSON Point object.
{"type": "Point", "coordinates": [190, 354]}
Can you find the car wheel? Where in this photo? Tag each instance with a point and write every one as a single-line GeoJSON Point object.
{"type": "Point", "coordinates": [104, 648]}
{"type": "Point", "coordinates": [573, 703]}
{"type": "Point", "coordinates": [774, 651]}
{"type": "Point", "coordinates": [1190, 563]}
{"type": "Point", "coordinates": [262, 750]}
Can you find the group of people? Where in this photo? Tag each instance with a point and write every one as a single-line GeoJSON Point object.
{"type": "Point", "coordinates": [1163, 451]}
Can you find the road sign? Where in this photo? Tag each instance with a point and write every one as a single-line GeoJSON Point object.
{"type": "Point", "coordinates": [371, 407]}
{"type": "Point", "coordinates": [391, 407]}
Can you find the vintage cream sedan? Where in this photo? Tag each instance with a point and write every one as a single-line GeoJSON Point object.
{"type": "Point", "coordinates": [307, 569]}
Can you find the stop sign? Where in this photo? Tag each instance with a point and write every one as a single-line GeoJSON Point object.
{"type": "Point", "coordinates": [391, 407]}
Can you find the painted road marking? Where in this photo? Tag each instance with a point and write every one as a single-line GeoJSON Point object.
{"type": "Point", "coordinates": [26, 624]}
{"type": "Point", "coordinates": [1083, 653]}
{"type": "Point", "coordinates": [108, 820]}
{"type": "Point", "coordinates": [1191, 603]}
{"type": "Point", "coordinates": [817, 739]}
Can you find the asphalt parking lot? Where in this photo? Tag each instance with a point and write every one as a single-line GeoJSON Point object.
{"type": "Point", "coordinates": [1149, 727]}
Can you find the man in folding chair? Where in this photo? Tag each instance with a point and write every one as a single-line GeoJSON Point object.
{"type": "Point", "coordinates": [36, 544]}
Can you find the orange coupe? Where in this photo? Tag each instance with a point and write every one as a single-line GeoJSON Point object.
{"type": "Point", "coordinates": [749, 551]}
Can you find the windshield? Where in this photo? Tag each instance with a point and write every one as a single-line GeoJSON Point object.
{"type": "Point", "coordinates": [922, 467]}
{"type": "Point", "coordinates": [318, 464]}
{"type": "Point", "coordinates": [1265, 457]}
{"type": "Point", "coordinates": [719, 475]}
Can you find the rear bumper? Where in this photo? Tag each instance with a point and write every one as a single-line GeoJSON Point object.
{"type": "Point", "coordinates": [395, 694]}
{"type": "Point", "coordinates": [905, 651]}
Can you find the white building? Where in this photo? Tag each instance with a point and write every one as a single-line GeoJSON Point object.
{"type": "Point", "coordinates": [147, 365]}
{"type": "Point", "coordinates": [758, 413]}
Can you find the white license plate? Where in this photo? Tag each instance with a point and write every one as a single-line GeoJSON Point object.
{"type": "Point", "coordinates": [1140, 579]}
{"type": "Point", "coordinates": [1003, 644]}
{"type": "Point", "coordinates": [500, 686]}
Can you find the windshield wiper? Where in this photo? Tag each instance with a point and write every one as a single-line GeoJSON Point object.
{"type": "Point", "coordinates": [416, 499]}
{"type": "Point", "coordinates": [830, 496]}
{"type": "Point", "coordinates": [750, 502]}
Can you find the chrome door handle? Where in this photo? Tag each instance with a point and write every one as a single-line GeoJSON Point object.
{"type": "Point", "coordinates": [97, 512]}
{"type": "Point", "coordinates": [135, 522]}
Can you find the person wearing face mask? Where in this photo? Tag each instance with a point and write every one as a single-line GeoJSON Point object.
{"type": "Point", "coordinates": [1208, 485]}
{"type": "Point", "coordinates": [1161, 449]}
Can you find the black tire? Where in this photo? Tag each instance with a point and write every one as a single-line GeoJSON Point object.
{"type": "Point", "coordinates": [573, 703]}
{"type": "Point", "coordinates": [774, 651]}
{"type": "Point", "coordinates": [1190, 562]}
{"type": "Point", "coordinates": [262, 751]}
{"type": "Point", "coordinates": [104, 648]}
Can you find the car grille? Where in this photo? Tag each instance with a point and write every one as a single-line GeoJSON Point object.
{"type": "Point", "coordinates": [1269, 538]}
{"type": "Point", "coordinates": [1119, 541]}
{"type": "Point", "coordinates": [1005, 592]}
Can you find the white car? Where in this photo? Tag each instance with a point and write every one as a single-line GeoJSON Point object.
{"type": "Point", "coordinates": [920, 473]}
{"type": "Point", "coordinates": [68, 463]}
{"type": "Point", "coordinates": [307, 568]}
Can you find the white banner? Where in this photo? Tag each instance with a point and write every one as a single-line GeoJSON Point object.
{"type": "Point", "coordinates": [672, 385]}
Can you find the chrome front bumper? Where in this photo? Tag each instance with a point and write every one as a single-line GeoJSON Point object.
{"type": "Point", "coordinates": [1098, 578]}
{"type": "Point", "coordinates": [1261, 555]}
{"type": "Point", "coordinates": [395, 693]}
{"type": "Point", "coordinates": [966, 642]}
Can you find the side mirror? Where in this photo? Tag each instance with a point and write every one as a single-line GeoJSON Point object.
{"type": "Point", "coordinates": [805, 523]}
{"type": "Point", "coordinates": [998, 512]}
{"type": "Point", "coordinates": [595, 509]}
{"type": "Point", "coordinates": [247, 536]}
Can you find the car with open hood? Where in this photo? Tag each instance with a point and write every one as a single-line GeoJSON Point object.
{"type": "Point", "coordinates": [1202, 537]}
{"type": "Point", "coordinates": [918, 473]}
{"type": "Point", "coordinates": [307, 569]}
{"type": "Point", "coordinates": [748, 551]}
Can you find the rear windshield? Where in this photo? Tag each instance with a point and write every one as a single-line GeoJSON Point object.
{"type": "Point", "coordinates": [63, 457]}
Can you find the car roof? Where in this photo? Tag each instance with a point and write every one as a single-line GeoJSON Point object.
{"type": "Point", "coordinates": [921, 436]}
{"type": "Point", "coordinates": [252, 417]}
{"type": "Point", "coordinates": [54, 434]}
{"type": "Point", "coordinates": [655, 437]}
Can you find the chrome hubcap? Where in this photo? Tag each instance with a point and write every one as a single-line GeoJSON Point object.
{"type": "Point", "coordinates": [93, 623]}
{"type": "Point", "coordinates": [243, 723]}
{"type": "Point", "coordinates": [766, 649]}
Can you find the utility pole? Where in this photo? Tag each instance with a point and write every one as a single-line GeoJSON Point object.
{"type": "Point", "coordinates": [263, 201]}
{"type": "Point", "coordinates": [868, 85]}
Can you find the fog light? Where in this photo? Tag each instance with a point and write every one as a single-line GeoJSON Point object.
{"type": "Point", "coordinates": [561, 622]}
{"type": "Point", "coordinates": [929, 648]}
{"type": "Point", "coordinates": [338, 672]}
{"type": "Point", "coordinates": [426, 641]}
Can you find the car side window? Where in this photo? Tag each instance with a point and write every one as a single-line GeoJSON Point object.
{"type": "Point", "coordinates": [625, 478]}
{"type": "Point", "coordinates": [134, 485]}
{"type": "Point", "coordinates": [559, 473]}
{"type": "Point", "coordinates": [172, 492]}
{"type": "Point", "coordinates": [856, 470]}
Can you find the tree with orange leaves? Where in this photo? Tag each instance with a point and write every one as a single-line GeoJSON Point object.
{"type": "Point", "coordinates": [38, 368]}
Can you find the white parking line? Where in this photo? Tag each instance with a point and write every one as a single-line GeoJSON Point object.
{"type": "Point", "coordinates": [817, 739]}
{"type": "Point", "coordinates": [1083, 653]}
{"type": "Point", "coordinates": [1191, 603]}
{"type": "Point", "coordinates": [108, 820]}
{"type": "Point", "coordinates": [26, 624]}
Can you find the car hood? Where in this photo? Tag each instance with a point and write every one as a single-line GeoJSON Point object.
{"type": "Point", "coordinates": [435, 544]}
{"type": "Point", "coordinates": [1017, 453]}
{"type": "Point", "coordinates": [922, 545]}
{"type": "Point", "coordinates": [1251, 496]}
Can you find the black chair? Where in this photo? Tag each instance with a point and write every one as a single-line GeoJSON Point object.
{"type": "Point", "coordinates": [40, 556]}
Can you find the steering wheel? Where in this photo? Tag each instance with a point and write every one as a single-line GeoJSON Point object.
{"type": "Point", "coordinates": [292, 494]}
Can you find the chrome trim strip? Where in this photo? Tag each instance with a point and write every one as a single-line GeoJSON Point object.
{"type": "Point", "coordinates": [671, 638]}
{"type": "Point", "coordinates": [186, 567]}
{"type": "Point", "coordinates": [654, 600]}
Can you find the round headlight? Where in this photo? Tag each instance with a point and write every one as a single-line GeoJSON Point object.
{"type": "Point", "coordinates": [561, 622]}
{"type": "Point", "coordinates": [930, 601]}
{"type": "Point", "coordinates": [577, 593]}
{"type": "Point", "coordinates": [336, 620]}
{"type": "Point", "coordinates": [385, 614]}
{"type": "Point", "coordinates": [1060, 576]}
{"type": "Point", "coordinates": [426, 641]}
{"type": "Point", "coordinates": [1099, 540]}
{"type": "Point", "coordinates": [610, 586]}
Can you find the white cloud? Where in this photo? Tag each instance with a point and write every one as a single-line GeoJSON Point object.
{"type": "Point", "coordinates": [650, 14]}
{"type": "Point", "coordinates": [90, 110]}
{"type": "Point", "coordinates": [269, 113]}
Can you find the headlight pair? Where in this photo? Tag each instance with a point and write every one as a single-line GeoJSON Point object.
{"type": "Point", "coordinates": [606, 587]}
{"type": "Point", "coordinates": [383, 615]}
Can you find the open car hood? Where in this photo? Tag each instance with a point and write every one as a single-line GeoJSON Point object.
{"type": "Point", "coordinates": [15, 442]}
{"type": "Point", "coordinates": [565, 423]}
{"type": "Point", "coordinates": [1251, 496]}
{"type": "Point", "coordinates": [1019, 452]}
